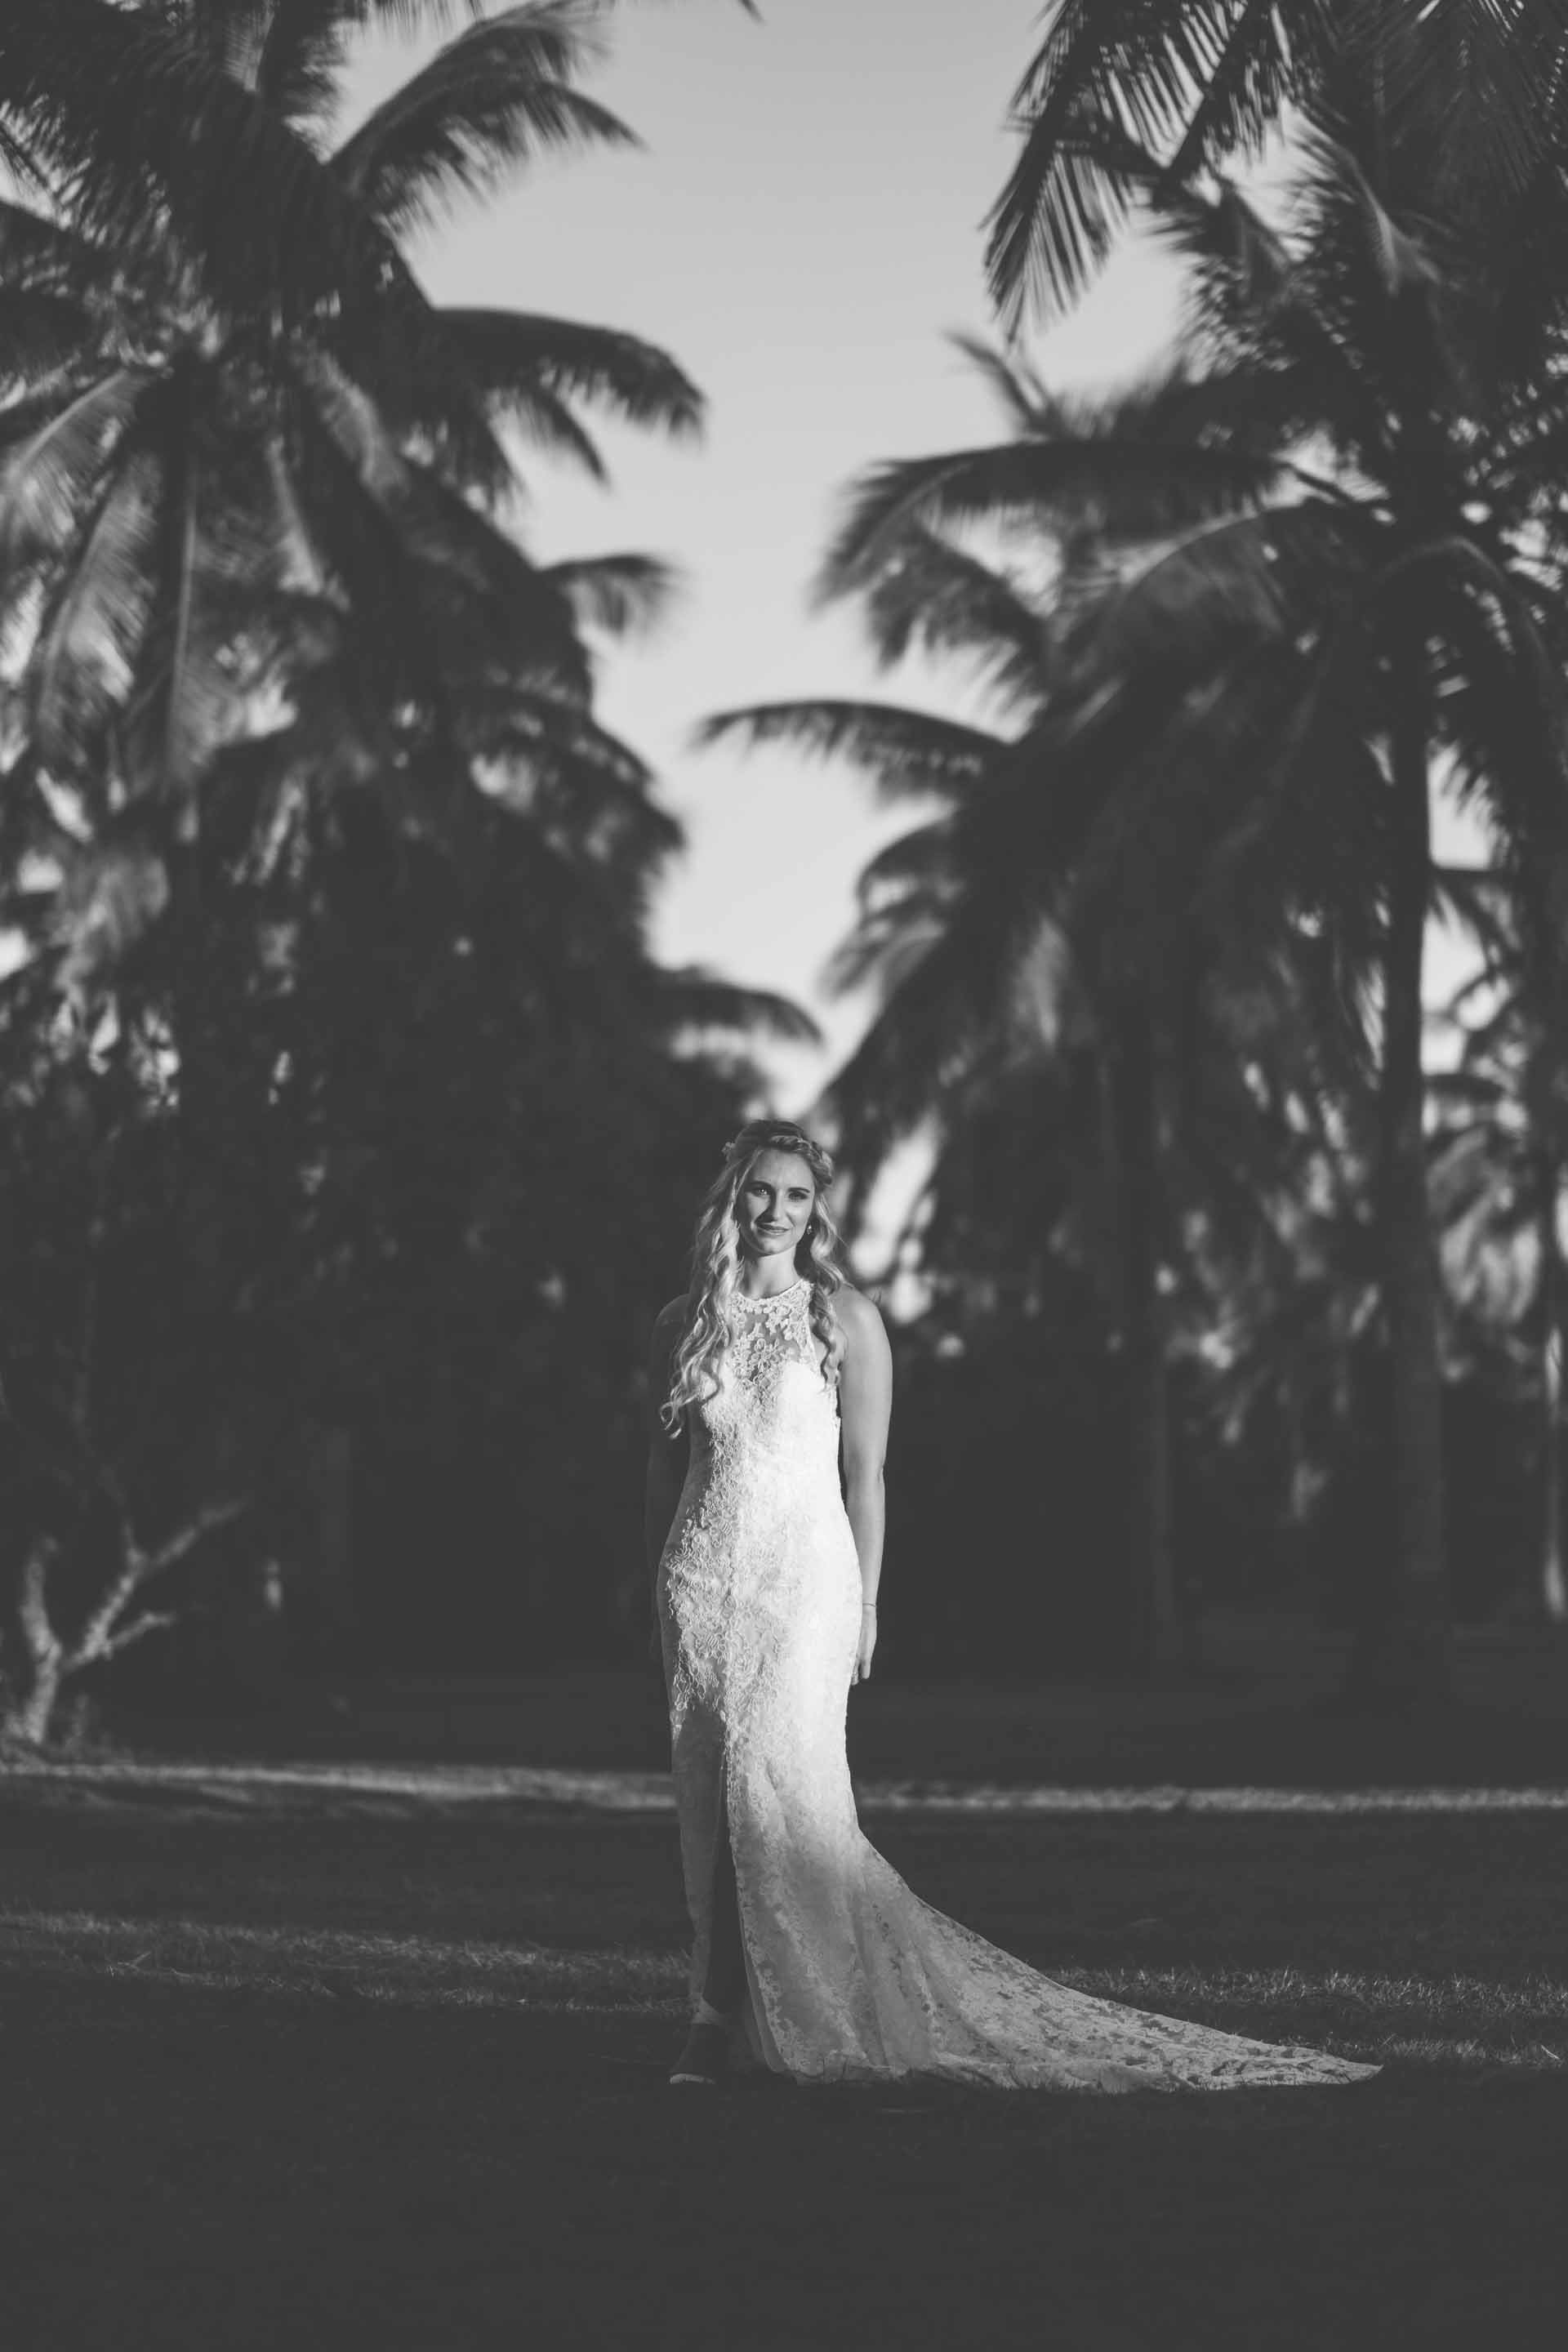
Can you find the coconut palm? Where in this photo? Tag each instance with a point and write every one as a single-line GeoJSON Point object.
{"type": "Point", "coordinates": [202, 121]}
{"type": "Point", "coordinates": [204, 504]}
{"type": "Point", "coordinates": [1068, 937]}
{"type": "Point", "coordinates": [1202, 83]}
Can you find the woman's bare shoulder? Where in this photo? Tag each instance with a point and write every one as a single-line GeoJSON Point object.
{"type": "Point", "coordinates": [859, 1316]}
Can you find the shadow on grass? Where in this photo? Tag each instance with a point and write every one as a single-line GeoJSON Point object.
{"type": "Point", "coordinates": [1437, 1933]}
{"type": "Point", "coordinates": [233, 2169]}
{"type": "Point", "coordinates": [309, 2066]}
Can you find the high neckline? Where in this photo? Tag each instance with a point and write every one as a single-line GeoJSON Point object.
{"type": "Point", "coordinates": [773, 1298]}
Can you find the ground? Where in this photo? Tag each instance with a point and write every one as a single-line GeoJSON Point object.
{"type": "Point", "coordinates": [311, 2054]}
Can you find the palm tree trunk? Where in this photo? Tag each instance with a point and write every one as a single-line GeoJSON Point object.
{"type": "Point", "coordinates": [1153, 1626]}
{"type": "Point", "coordinates": [1553, 1581]}
{"type": "Point", "coordinates": [1402, 1652]}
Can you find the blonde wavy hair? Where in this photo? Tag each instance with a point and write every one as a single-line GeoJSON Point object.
{"type": "Point", "coordinates": [712, 1317]}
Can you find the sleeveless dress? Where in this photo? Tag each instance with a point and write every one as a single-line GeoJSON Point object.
{"type": "Point", "coordinates": [849, 1976]}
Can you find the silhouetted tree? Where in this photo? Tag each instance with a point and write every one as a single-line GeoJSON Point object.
{"type": "Point", "coordinates": [1076, 924]}
{"type": "Point", "coordinates": [299, 742]}
{"type": "Point", "coordinates": [1409, 322]}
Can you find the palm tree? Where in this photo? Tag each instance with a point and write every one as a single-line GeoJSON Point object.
{"type": "Point", "coordinates": [1200, 85]}
{"type": "Point", "coordinates": [206, 504]}
{"type": "Point", "coordinates": [1082, 899]}
{"type": "Point", "coordinates": [1362, 460]}
{"type": "Point", "coordinates": [1203, 83]}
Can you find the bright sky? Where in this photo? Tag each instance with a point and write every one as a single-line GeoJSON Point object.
{"type": "Point", "coordinates": [802, 232]}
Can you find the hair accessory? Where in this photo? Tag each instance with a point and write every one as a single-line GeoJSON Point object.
{"type": "Point", "coordinates": [753, 1133]}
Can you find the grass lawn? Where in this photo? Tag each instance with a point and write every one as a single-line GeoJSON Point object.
{"type": "Point", "coordinates": [328, 2056]}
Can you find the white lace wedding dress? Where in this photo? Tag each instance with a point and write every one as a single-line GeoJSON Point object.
{"type": "Point", "coordinates": [849, 1975]}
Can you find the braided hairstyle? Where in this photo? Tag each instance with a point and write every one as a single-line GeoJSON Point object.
{"type": "Point", "coordinates": [712, 1318]}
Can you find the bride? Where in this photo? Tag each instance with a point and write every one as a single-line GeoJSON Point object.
{"type": "Point", "coordinates": [810, 1955]}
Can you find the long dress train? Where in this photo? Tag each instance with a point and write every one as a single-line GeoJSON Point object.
{"type": "Point", "coordinates": [849, 1976]}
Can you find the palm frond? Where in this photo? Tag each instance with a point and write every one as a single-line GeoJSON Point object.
{"type": "Point", "coordinates": [906, 752]}
{"type": "Point", "coordinates": [52, 453]}
{"type": "Point", "coordinates": [623, 596]}
{"type": "Point", "coordinates": [1502, 701]}
{"type": "Point", "coordinates": [916, 870]}
{"type": "Point", "coordinates": [1265, 61]}
{"type": "Point", "coordinates": [931, 597]}
{"type": "Point", "coordinates": [586, 792]}
{"type": "Point", "coordinates": [1332, 178]}
{"type": "Point", "coordinates": [1474, 83]}
{"type": "Point", "coordinates": [151, 622]}
{"type": "Point", "coordinates": [494, 96]}
{"type": "Point", "coordinates": [1198, 604]}
{"type": "Point", "coordinates": [549, 422]}
{"type": "Point", "coordinates": [492, 615]}
{"type": "Point", "coordinates": [134, 111]}
{"type": "Point", "coordinates": [84, 661]}
{"type": "Point", "coordinates": [294, 52]}
{"type": "Point", "coordinates": [1270, 369]}
{"type": "Point", "coordinates": [904, 895]}
{"type": "Point", "coordinates": [1108, 483]}
{"type": "Point", "coordinates": [692, 998]}
{"type": "Point", "coordinates": [516, 361]}
{"type": "Point", "coordinates": [346, 476]}
{"type": "Point", "coordinates": [950, 1004]}
{"type": "Point", "coordinates": [1027, 404]}
{"type": "Point", "coordinates": [1189, 84]}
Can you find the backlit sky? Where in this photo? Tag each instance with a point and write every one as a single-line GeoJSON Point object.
{"type": "Point", "coordinates": [802, 229]}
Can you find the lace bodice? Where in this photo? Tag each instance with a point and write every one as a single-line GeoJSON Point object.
{"type": "Point", "coordinates": [771, 1390]}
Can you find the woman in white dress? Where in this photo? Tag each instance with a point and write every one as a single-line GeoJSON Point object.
{"type": "Point", "coordinates": [810, 1955]}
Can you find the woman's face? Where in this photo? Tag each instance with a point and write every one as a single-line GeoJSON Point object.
{"type": "Point", "coordinates": [775, 1204]}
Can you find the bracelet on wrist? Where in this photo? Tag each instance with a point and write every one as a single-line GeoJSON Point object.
{"type": "Point", "coordinates": [867, 1604]}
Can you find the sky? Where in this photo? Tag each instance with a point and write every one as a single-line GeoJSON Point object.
{"type": "Point", "coordinates": [803, 229]}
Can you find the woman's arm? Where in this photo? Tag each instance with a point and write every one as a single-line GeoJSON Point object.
{"type": "Point", "coordinates": [865, 1408]}
{"type": "Point", "coordinates": [665, 1454]}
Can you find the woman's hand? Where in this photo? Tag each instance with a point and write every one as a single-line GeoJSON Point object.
{"type": "Point", "coordinates": [863, 1656]}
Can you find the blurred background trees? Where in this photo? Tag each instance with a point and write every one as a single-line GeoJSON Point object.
{"type": "Point", "coordinates": [352, 1131]}
{"type": "Point", "coordinates": [350, 1126]}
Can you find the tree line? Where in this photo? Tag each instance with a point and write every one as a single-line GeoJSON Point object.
{"type": "Point", "coordinates": [342, 1088]}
